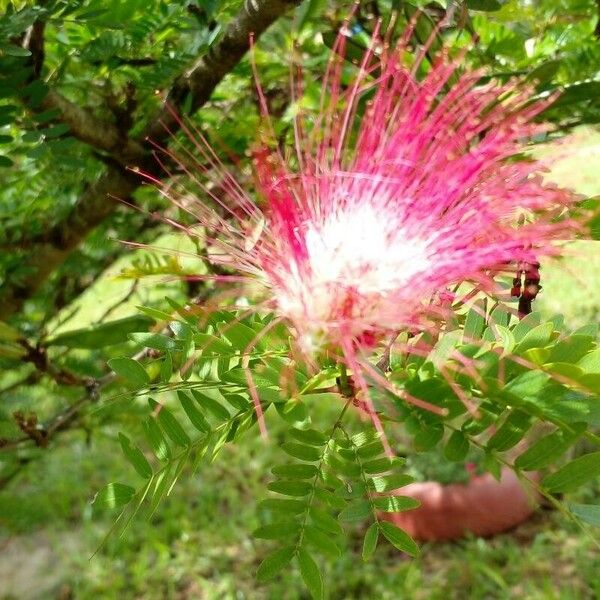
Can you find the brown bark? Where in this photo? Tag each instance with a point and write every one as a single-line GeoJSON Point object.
{"type": "Point", "coordinates": [99, 134]}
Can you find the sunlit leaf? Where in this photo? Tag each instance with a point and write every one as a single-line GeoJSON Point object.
{"type": "Point", "coordinates": [574, 474]}
{"type": "Point", "coordinates": [131, 370]}
{"type": "Point", "coordinates": [114, 495]}
{"type": "Point", "coordinates": [274, 563]}
{"type": "Point", "coordinates": [370, 541]}
{"type": "Point", "coordinates": [310, 574]}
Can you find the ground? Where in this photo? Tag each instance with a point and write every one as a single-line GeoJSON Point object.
{"type": "Point", "coordinates": [198, 544]}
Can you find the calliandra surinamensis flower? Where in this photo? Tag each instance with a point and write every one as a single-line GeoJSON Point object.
{"type": "Point", "coordinates": [406, 182]}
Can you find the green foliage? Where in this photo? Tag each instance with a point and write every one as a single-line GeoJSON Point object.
{"type": "Point", "coordinates": [529, 372]}
{"type": "Point", "coordinates": [182, 384]}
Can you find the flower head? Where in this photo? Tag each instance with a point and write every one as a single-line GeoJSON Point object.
{"type": "Point", "coordinates": [409, 180]}
{"type": "Point", "coordinates": [404, 186]}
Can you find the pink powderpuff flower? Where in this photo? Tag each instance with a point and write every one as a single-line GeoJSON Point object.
{"type": "Point", "coordinates": [404, 184]}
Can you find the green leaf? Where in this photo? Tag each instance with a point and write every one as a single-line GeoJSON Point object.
{"type": "Point", "coordinates": [274, 563]}
{"type": "Point", "coordinates": [511, 432]}
{"type": "Point", "coordinates": [527, 385]}
{"type": "Point", "coordinates": [54, 131]}
{"type": "Point", "coordinates": [545, 72]}
{"type": "Point", "coordinates": [573, 474]}
{"type": "Point", "coordinates": [308, 10]}
{"type": "Point", "coordinates": [131, 370]}
{"type": "Point", "coordinates": [492, 465]}
{"type": "Point", "coordinates": [547, 449]}
{"type": "Point", "coordinates": [8, 333]}
{"type": "Point", "coordinates": [100, 336]}
{"type": "Point", "coordinates": [156, 341]}
{"type": "Point", "coordinates": [364, 438]}
{"type": "Point", "coordinates": [381, 465]}
{"type": "Point", "coordinates": [370, 541]}
{"type": "Point", "coordinates": [12, 50]}
{"type": "Point", "coordinates": [356, 511]}
{"type": "Point", "coordinates": [5, 162]}
{"type": "Point", "coordinates": [12, 351]}
{"type": "Point", "coordinates": [283, 505]}
{"type": "Point", "coordinates": [395, 503]}
{"type": "Point", "coordinates": [277, 531]}
{"type": "Point", "coordinates": [7, 116]}
{"type": "Point", "coordinates": [295, 471]}
{"type": "Point", "coordinates": [474, 322]}
{"type": "Point", "coordinates": [577, 92]}
{"type": "Point", "coordinates": [170, 424]}
{"type": "Point", "coordinates": [310, 574]}
{"type": "Point", "coordinates": [330, 498]}
{"type": "Point", "coordinates": [399, 538]}
{"type": "Point", "coordinates": [445, 348]}
{"type": "Point", "coordinates": [302, 452]}
{"type": "Point", "coordinates": [155, 314]}
{"type": "Point", "coordinates": [590, 363]}
{"type": "Point", "coordinates": [590, 329]}
{"type": "Point", "coordinates": [388, 483]}
{"type": "Point", "coordinates": [500, 315]}
{"type": "Point", "coordinates": [572, 349]}
{"type": "Point", "coordinates": [214, 407]}
{"type": "Point", "coordinates": [526, 324]}
{"type": "Point", "coordinates": [538, 337]}
{"type": "Point", "coordinates": [156, 439]}
{"type": "Point", "coordinates": [428, 437]}
{"type": "Point", "coordinates": [166, 368]}
{"type": "Point", "coordinates": [505, 337]}
{"type": "Point", "coordinates": [91, 14]}
{"type": "Point", "coordinates": [135, 457]}
{"type": "Point", "coordinates": [353, 51]}
{"type": "Point", "coordinates": [293, 411]}
{"type": "Point", "coordinates": [114, 495]}
{"type": "Point", "coordinates": [35, 92]}
{"type": "Point", "coordinates": [193, 414]}
{"type": "Point", "coordinates": [290, 488]}
{"type": "Point", "coordinates": [241, 336]}
{"type": "Point", "coordinates": [457, 447]}
{"type": "Point", "coordinates": [424, 29]}
{"type": "Point", "coordinates": [371, 450]}
{"type": "Point", "coordinates": [236, 401]}
{"type": "Point", "coordinates": [211, 345]}
{"type": "Point", "coordinates": [308, 436]}
{"type": "Point", "coordinates": [238, 376]}
{"type": "Point", "coordinates": [590, 513]}
{"type": "Point", "coordinates": [162, 482]}
{"type": "Point", "coordinates": [351, 490]}
{"type": "Point", "coordinates": [322, 541]}
{"type": "Point", "coordinates": [345, 467]}
{"type": "Point", "coordinates": [325, 521]}
{"type": "Point", "coordinates": [484, 5]}
{"type": "Point", "coordinates": [591, 381]}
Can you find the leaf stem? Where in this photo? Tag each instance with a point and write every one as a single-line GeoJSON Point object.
{"type": "Point", "coordinates": [311, 495]}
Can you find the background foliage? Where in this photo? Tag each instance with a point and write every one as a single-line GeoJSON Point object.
{"type": "Point", "coordinates": [82, 85]}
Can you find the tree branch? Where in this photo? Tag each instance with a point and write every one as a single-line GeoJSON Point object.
{"type": "Point", "coordinates": [83, 125]}
{"type": "Point", "coordinates": [97, 202]}
{"type": "Point", "coordinates": [99, 134]}
{"type": "Point", "coordinates": [40, 434]}
{"type": "Point", "coordinates": [201, 80]}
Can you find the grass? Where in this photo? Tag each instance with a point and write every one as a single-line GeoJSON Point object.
{"type": "Point", "coordinates": [571, 285]}
{"type": "Point", "coordinates": [198, 544]}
